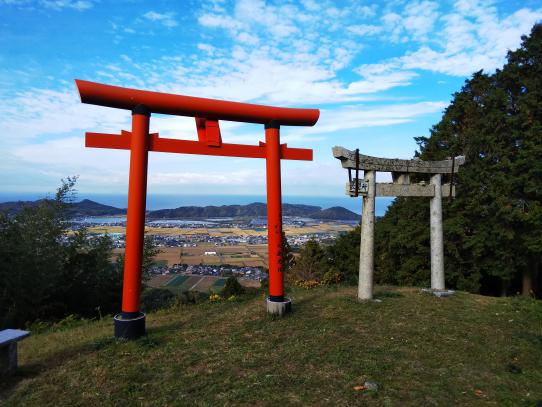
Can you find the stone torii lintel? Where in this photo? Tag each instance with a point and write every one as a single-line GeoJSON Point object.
{"type": "Point", "coordinates": [421, 189]}
{"type": "Point", "coordinates": [396, 165]}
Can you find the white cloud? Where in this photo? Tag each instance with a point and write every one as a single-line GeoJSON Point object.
{"type": "Point", "coordinates": [209, 49]}
{"type": "Point", "coordinates": [473, 37]}
{"type": "Point", "coordinates": [364, 12]}
{"type": "Point", "coordinates": [393, 24]}
{"type": "Point", "coordinates": [38, 111]}
{"type": "Point", "coordinates": [420, 18]}
{"type": "Point", "coordinates": [476, 44]}
{"type": "Point", "coordinates": [373, 83]}
{"type": "Point", "coordinates": [365, 29]}
{"type": "Point", "coordinates": [248, 38]}
{"type": "Point", "coordinates": [352, 117]}
{"type": "Point", "coordinates": [79, 5]}
{"type": "Point", "coordinates": [270, 52]}
{"type": "Point", "coordinates": [208, 178]}
{"type": "Point", "coordinates": [45, 112]}
{"type": "Point", "coordinates": [166, 19]}
{"type": "Point", "coordinates": [219, 21]}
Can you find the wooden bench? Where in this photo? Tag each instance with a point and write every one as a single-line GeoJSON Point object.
{"type": "Point", "coordinates": [8, 349]}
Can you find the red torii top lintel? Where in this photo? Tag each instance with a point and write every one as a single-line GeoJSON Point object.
{"type": "Point", "coordinates": [207, 112]}
{"type": "Point", "coordinates": [125, 98]}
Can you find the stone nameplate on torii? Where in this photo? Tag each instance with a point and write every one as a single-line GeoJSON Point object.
{"type": "Point", "coordinates": [369, 189]}
{"type": "Point", "coordinates": [392, 189]}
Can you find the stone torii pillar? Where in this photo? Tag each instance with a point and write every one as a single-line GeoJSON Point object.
{"type": "Point", "coordinates": [401, 186]}
{"type": "Point", "coordinates": [436, 235]}
{"type": "Point", "coordinates": [366, 249]}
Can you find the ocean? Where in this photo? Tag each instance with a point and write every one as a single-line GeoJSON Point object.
{"type": "Point", "coordinates": [158, 201]}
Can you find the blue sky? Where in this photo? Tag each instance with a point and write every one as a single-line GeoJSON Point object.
{"type": "Point", "coordinates": [381, 73]}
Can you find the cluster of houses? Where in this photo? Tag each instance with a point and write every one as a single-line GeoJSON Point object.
{"type": "Point", "coordinates": [252, 273]}
{"type": "Point", "coordinates": [193, 240]}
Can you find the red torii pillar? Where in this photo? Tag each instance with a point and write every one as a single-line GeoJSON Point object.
{"type": "Point", "coordinates": [130, 323]}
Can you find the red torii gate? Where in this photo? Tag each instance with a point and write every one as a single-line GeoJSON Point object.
{"type": "Point", "coordinates": [130, 323]}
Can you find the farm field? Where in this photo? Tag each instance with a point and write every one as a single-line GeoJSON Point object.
{"type": "Point", "coordinates": [239, 255]}
{"type": "Point", "coordinates": [176, 281]}
{"type": "Point", "coordinates": [159, 281]}
{"type": "Point", "coordinates": [221, 232]}
{"type": "Point", "coordinates": [242, 255]}
{"type": "Point", "coordinates": [193, 282]}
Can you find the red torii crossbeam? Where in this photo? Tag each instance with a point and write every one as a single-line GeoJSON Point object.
{"type": "Point", "coordinates": [130, 323]}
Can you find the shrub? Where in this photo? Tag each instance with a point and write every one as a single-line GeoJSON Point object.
{"type": "Point", "coordinates": [311, 263]}
{"type": "Point", "coordinates": [156, 298]}
{"type": "Point", "coordinates": [307, 284]}
{"type": "Point", "coordinates": [232, 287]}
{"type": "Point", "coordinates": [191, 297]}
{"type": "Point", "coordinates": [264, 284]}
{"type": "Point", "coordinates": [332, 277]}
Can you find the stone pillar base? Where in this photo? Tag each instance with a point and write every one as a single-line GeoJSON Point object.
{"type": "Point", "coordinates": [280, 308]}
{"type": "Point", "coordinates": [129, 327]}
{"type": "Point", "coordinates": [438, 293]}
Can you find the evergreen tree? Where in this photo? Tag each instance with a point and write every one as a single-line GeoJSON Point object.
{"type": "Point", "coordinates": [288, 259]}
{"type": "Point", "coordinates": [493, 228]}
{"type": "Point", "coordinates": [311, 263]}
{"type": "Point", "coordinates": [47, 273]}
{"type": "Point", "coordinates": [343, 254]}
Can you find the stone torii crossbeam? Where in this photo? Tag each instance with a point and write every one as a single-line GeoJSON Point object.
{"type": "Point", "coordinates": [130, 323]}
{"type": "Point", "coordinates": [369, 189]}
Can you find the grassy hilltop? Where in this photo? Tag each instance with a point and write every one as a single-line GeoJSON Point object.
{"type": "Point", "coordinates": [421, 350]}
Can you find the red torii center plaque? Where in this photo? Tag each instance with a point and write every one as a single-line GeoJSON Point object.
{"type": "Point", "coordinates": [130, 323]}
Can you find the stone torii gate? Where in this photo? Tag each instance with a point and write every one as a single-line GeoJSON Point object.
{"type": "Point", "coordinates": [130, 323]}
{"type": "Point", "coordinates": [369, 189]}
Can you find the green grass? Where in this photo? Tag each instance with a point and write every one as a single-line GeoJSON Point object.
{"type": "Point", "coordinates": [176, 281]}
{"type": "Point", "coordinates": [421, 350]}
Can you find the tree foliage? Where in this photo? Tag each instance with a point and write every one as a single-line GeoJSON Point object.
{"type": "Point", "coordinates": [343, 255]}
{"type": "Point", "coordinates": [232, 287]}
{"type": "Point", "coordinates": [311, 263]}
{"type": "Point", "coordinates": [288, 259]}
{"type": "Point", "coordinates": [47, 273]}
{"type": "Point", "coordinates": [493, 227]}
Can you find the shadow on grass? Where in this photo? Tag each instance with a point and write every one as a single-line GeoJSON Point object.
{"type": "Point", "coordinates": [530, 337]}
{"type": "Point", "coordinates": [156, 336]}
{"type": "Point", "coordinates": [52, 361]}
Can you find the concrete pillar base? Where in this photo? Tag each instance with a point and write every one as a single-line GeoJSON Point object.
{"type": "Point", "coordinates": [129, 327]}
{"type": "Point", "coordinates": [438, 293]}
{"type": "Point", "coordinates": [280, 308]}
{"type": "Point", "coordinates": [367, 300]}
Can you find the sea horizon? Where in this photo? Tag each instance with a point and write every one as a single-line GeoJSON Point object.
{"type": "Point", "coordinates": [170, 201]}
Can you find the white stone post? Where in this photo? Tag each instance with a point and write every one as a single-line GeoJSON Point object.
{"type": "Point", "coordinates": [437, 245]}
{"type": "Point", "coordinates": [366, 253]}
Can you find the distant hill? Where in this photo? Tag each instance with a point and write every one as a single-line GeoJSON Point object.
{"type": "Point", "coordinates": [337, 212]}
{"type": "Point", "coordinates": [90, 208]}
{"type": "Point", "coordinates": [257, 209]}
{"type": "Point", "coordinates": [84, 208]}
